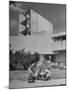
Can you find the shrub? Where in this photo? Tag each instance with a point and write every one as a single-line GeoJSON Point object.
{"type": "Point", "coordinates": [22, 60]}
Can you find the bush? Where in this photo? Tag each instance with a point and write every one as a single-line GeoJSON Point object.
{"type": "Point", "coordinates": [21, 60]}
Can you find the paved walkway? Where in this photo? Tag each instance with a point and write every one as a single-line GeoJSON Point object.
{"type": "Point", "coordinates": [22, 84]}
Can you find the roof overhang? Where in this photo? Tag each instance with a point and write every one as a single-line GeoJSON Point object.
{"type": "Point", "coordinates": [59, 35]}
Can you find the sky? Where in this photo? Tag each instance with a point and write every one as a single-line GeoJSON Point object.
{"type": "Point", "coordinates": [55, 13]}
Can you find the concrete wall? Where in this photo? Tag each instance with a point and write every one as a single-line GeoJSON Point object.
{"type": "Point", "coordinates": [34, 22]}
{"type": "Point", "coordinates": [39, 23]}
{"type": "Point", "coordinates": [40, 42]}
{"type": "Point", "coordinates": [13, 22]}
{"type": "Point", "coordinates": [15, 19]}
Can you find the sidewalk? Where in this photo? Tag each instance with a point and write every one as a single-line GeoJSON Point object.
{"type": "Point", "coordinates": [20, 84]}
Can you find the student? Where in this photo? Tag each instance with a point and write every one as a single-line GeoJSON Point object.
{"type": "Point", "coordinates": [31, 69]}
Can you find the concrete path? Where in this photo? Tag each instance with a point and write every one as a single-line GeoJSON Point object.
{"type": "Point", "coordinates": [24, 84]}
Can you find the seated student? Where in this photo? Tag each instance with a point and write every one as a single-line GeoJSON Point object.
{"type": "Point", "coordinates": [31, 69]}
{"type": "Point", "coordinates": [37, 74]}
{"type": "Point", "coordinates": [34, 71]}
{"type": "Point", "coordinates": [44, 74]}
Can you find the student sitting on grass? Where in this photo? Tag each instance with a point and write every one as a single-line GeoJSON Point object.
{"type": "Point", "coordinates": [31, 69]}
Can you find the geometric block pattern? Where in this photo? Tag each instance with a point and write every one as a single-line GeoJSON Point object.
{"type": "Point", "coordinates": [24, 24]}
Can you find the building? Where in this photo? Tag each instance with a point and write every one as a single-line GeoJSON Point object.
{"type": "Point", "coordinates": [31, 31]}
{"type": "Point", "coordinates": [59, 47]}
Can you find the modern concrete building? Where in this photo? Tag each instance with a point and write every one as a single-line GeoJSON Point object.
{"type": "Point", "coordinates": [39, 39]}
{"type": "Point", "coordinates": [59, 47]}
{"type": "Point", "coordinates": [31, 31]}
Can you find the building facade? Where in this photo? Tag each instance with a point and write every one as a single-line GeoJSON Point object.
{"type": "Point", "coordinates": [59, 47]}
{"type": "Point", "coordinates": [31, 31]}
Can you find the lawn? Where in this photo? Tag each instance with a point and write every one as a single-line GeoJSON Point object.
{"type": "Point", "coordinates": [23, 75]}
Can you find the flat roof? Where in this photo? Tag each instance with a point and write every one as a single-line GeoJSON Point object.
{"type": "Point", "coordinates": [59, 35]}
{"type": "Point", "coordinates": [59, 50]}
{"type": "Point", "coordinates": [51, 53]}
